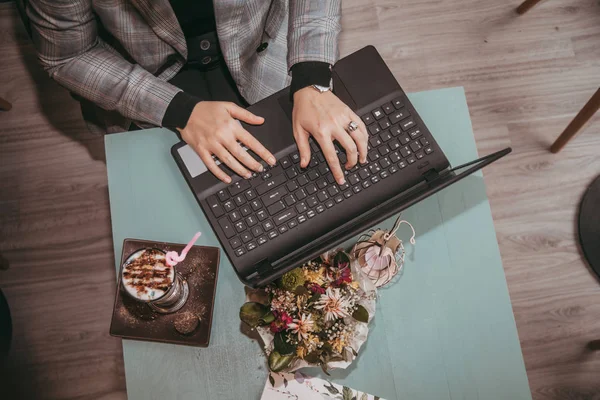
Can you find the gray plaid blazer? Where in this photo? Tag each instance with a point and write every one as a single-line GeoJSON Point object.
{"type": "Point", "coordinates": [127, 78]}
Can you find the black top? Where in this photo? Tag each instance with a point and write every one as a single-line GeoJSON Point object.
{"type": "Point", "coordinates": [197, 17]}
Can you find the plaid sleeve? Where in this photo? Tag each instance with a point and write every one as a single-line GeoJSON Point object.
{"type": "Point", "coordinates": [65, 36]}
{"type": "Point", "coordinates": [314, 27]}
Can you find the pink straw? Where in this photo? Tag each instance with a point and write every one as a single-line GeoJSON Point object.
{"type": "Point", "coordinates": [173, 258]}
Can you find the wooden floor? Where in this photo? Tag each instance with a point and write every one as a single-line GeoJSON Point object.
{"type": "Point", "coordinates": [525, 78]}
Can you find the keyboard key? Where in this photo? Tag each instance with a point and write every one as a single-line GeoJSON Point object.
{"type": "Point", "coordinates": [367, 119]}
{"type": "Point", "coordinates": [428, 150]}
{"type": "Point", "coordinates": [250, 194]}
{"type": "Point", "coordinates": [240, 252]}
{"type": "Point", "coordinates": [301, 219]}
{"type": "Point", "coordinates": [239, 200]}
{"type": "Point", "coordinates": [424, 142]}
{"type": "Point", "coordinates": [393, 169]}
{"type": "Point", "coordinates": [384, 162]}
{"type": "Point", "coordinates": [402, 164]}
{"type": "Point", "coordinates": [348, 194]}
{"type": "Point", "coordinates": [301, 207]}
{"type": "Point", "coordinates": [229, 205]}
{"type": "Point", "coordinates": [373, 155]}
{"type": "Point", "coordinates": [411, 159]}
{"type": "Point", "coordinates": [384, 174]}
{"type": "Point", "coordinates": [339, 198]}
{"type": "Point", "coordinates": [273, 196]}
{"type": "Point", "coordinates": [374, 129]}
{"type": "Point", "coordinates": [378, 113]}
{"type": "Point", "coordinates": [268, 225]}
{"type": "Point", "coordinates": [385, 136]}
{"type": "Point", "coordinates": [292, 224]}
{"type": "Point", "coordinates": [251, 246]}
{"type": "Point", "coordinates": [284, 216]}
{"type": "Point", "coordinates": [283, 229]}
{"type": "Point", "coordinates": [235, 243]}
{"type": "Point", "coordinates": [394, 144]}
{"type": "Point", "coordinates": [300, 194]}
{"type": "Point", "coordinates": [251, 220]}
{"type": "Point", "coordinates": [405, 151]}
{"type": "Point", "coordinates": [329, 203]}
{"type": "Point", "coordinates": [322, 183]}
{"type": "Point", "coordinates": [404, 139]}
{"type": "Point", "coordinates": [375, 179]}
{"type": "Point", "coordinates": [344, 186]}
{"type": "Point", "coordinates": [273, 234]}
{"type": "Point", "coordinates": [322, 196]}
{"type": "Point", "coordinates": [311, 213]}
{"type": "Point", "coordinates": [356, 189]}
{"type": "Point", "coordinates": [312, 188]}
{"type": "Point", "coordinates": [384, 150]}
{"type": "Point", "coordinates": [313, 174]}
{"type": "Point", "coordinates": [394, 157]}
{"type": "Point", "coordinates": [291, 173]}
{"type": "Point", "coordinates": [374, 168]}
{"type": "Point", "coordinates": [415, 146]}
{"type": "Point", "coordinates": [245, 210]}
{"type": "Point", "coordinates": [285, 162]}
{"type": "Point", "coordinates": [223, 195]}
{"type": "Point", "coordinates": [246, 237]}
{"type": "Point", "coordinates": [255, 204]}
{"type": "Point", "coordinates": [375, 141]}
{"type": "Point", "coordinates": [214, 205]}
{"type": "Point", "coordinates": [238, 187]}
{"type": "Point", "coordinates": [295, 157]}
{"type": "Point", "coordinates": [289, 200]}
{"type": "Point", "coordinates": [398, 103]}
{"type": "Point", "coordinates": [270, 183]}
{"type": "Point", "coordinates": [363, 173]}
{"type": "Point", "coordinates": [353, 179]}
{"type": "Point", "coordinates": [302, 180]}
{"type": "Point", "coordinates": [320, 208]}
{"type": "Point", "coordinates": [384, 124]}
{"type": "Point", "coordinates": [396, 130]}
{"type": "Point", "coordinates": [314, 161]}
{"type": "Point", "coordinates": [415, 133]}
{"type": "Point", "coordinates": [275, 208]}
{"type": "Point", "coordinates": [312, 201]}
{"type": "Point", "coordinates": [407, 124]}
{"type": "Point", "coordinates": [262, 215]}
{"type": "Point", "coordinates": [399, 115]}
{"type": "Point", "coordinates": [419, 155]}
{"type": "Point", "coordinates": [388, 108]}
{"type": "Point", "coordinates": [261, 240]}
{"type": "Point", "coordinates": [235, 215]}
{"type": "Point", "coordinates": [323, 169]}
{"type": "Point", "coordinates": [240, 226]}
{"type": "Point", "coordinates": [366, 184]}
{"type": "Point", "coordinates": [333, 191]}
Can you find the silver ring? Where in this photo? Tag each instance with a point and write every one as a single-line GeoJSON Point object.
{"type": "Point", "coordinates": [352, 126]}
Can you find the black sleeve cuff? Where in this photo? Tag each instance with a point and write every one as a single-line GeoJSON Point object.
{"type": "Point", "coordinates": [309, 73]}
{"type": "Point", "coordinates": [179, 110]}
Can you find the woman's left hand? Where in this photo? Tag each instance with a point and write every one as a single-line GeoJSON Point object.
{"type": "Point", "coordinates": [326, 118]}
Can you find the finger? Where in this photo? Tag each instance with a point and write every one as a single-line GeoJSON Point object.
{"type": "Point", "coordinates": [361, 138]}
{"type": "Point", "coordinates": [302, 136]}
{"type": "Point", "coordinates": [242, 155]}
{"type": "Point", "coordinates": [253, 144]}
{"type": "Point", "coordinates": [212, 166]}
{"type": "Point", "coordinates": [348, 144]}
{"type": "Point", "coordinates": [332, 159]}
{"type": "Point", "coordinates": [227, 158]}
{"type": "Point", "coordinates": [242, 114]}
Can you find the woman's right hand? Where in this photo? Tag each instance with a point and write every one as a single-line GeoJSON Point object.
{"type": "Point", "coordinates": [213, 129]}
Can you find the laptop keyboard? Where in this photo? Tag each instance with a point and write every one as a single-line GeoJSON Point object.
{"type": "Point", "coordinates": [254, 211]}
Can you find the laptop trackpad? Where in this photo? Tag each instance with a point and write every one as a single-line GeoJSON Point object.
{"type": "Point", "coordinates": [192, 161]}
{"type": "Point", "coordinates": [286, 104]}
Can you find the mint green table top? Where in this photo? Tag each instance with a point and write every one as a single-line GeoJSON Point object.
{"type": "Point", "coordinates": [444, 330]}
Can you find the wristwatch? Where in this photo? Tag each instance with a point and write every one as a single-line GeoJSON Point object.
{"type": "Point", "coordinates": [323, 89]}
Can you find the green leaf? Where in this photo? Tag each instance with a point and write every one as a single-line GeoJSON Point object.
{"type": "Point", "coordinates": [332, 389]}
{"type": "Point", "coordinates": [251, 313]}
{"type": "Point", "coordinates": [277, 362]}
{"type": "Point", "coordinates": [347, 393]}
{"type": "Point", "coordinates": [301, 290]}
{"type": "Point", "coordinates": [341, 260]}
{"type": "Point", "coordinates": [272, 380]}
{"type": "Point", "coordinates": [312, 357]}
{"type": "Point", "coordinates": [282, 346]}
{"type": "Point", "coordinates": [361, 314]}
{"type": "Point", "coordinates": [267, 319]}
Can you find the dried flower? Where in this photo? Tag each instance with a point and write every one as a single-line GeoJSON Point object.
{"type": "Point", "coordinates": [313, 287]}
{"type": "Point", "coordinates": [334, 304]}
{"type": "Point", "coordinates": [340, 275]}
{"type": "Point", "coordinates": [302, 326]}
{"type": "Point", "coordinates": [315, 276]}
{"type": "Point", "coordinates": [281, 322]}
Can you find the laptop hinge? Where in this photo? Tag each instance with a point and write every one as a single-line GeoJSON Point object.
{"type": "Point", "coordinates": [431, 175]}
{"type": "Point", "coordinates": [263, 267]}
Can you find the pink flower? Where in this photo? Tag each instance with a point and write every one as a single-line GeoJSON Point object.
{"type": "Point", "coordinates": [341, 275]}
{"type": "Point", "coordinates": [281, 322]}
{"type": "Point", "coordinates": [313, 287]}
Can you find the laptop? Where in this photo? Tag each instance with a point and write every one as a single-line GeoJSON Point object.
{"type": "Point", "coordinates": [286, 215]}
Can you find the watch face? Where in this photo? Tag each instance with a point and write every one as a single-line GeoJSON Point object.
{"type": "Point", "coordinates": [321, 88]}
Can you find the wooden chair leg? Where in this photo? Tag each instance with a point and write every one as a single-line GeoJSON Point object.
{"type": "Point", "coordinates": [526, 6]}
{"type": "Point", "coordinates": [584, 116]}
{"type": "Point", "coordinates": [5, 105]}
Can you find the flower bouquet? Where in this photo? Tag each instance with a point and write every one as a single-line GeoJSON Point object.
{"type": "Point", "coordinates": [314, 315]}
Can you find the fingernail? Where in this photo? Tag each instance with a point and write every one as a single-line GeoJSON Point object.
{"type": "Point", "coordinates": [342, 181]}
{"type": "Point", "coordinates": [248, 175]}
{"type": "Point", "coordinates": [272, 160]}
{"type": "Point", "coordinates": [228, 180]}
{"type": "Point", "coordinates": [260, 168]}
